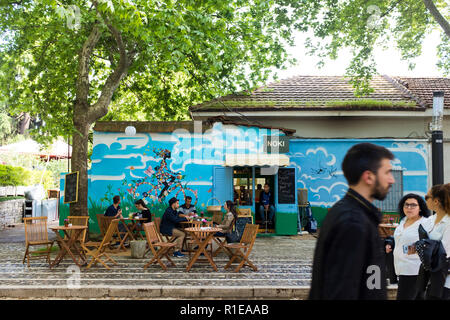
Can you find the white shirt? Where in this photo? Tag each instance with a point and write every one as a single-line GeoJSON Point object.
{"type": "Point", "coordinates": [440, 231]}
{"type": "Point", "coordinates": [407, 264]}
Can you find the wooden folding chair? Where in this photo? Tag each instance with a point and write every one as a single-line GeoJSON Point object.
{"type": "Point", "coordinates": [103, 223]}
{"type": "Point", "coordinates": [36, 234]}
{"type": "Point", "coordinates": [388, 218]}
{"type": "Point", "coordinates": [168, 238]}
{"type": "Point", "coordinates": [100, 247]}
{"type": "Point", "coordinates": [153, 242]}
{"type": "Point", "coordinates": [245, 213]}
{"type": "Point", "coordinates": [79, 221]}
{"type": "Point", "coordinates": [246, 245]}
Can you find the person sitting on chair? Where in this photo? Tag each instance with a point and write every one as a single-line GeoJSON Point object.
{"type": "Point", "coordinates": [170, 219]}
{"type": "Point", "coordinates": [229, 219]}
{"type": "Point", "coordinates": [144, 213]}
{"type": "Point", "coordinates": [115, 211]}
{"type": "Point", "coordinates": [266, 202]}
{"type": "Point", "coordinates": [187, 208]}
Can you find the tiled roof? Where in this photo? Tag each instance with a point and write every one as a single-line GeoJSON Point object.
{"type": "Point", "coordinates": [329, 93]}
{"type": "Point", "coordinates": [423, 88]}
{"type": "Point", "coordinates": [171, 126]}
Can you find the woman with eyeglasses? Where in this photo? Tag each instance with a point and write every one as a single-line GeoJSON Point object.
{"type": "Point", "coordinates": [413, 211]}
{"type": "Point", "coordinates": [438, 200]}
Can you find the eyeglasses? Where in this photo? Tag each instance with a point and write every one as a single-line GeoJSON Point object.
{"type": "Point", "coordinates": [410, 205]}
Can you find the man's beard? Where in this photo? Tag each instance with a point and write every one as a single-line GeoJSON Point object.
{"type": "Point", "coordinates": [379, 193]}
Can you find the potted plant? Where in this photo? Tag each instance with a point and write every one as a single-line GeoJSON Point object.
{"type": "Point", "coordinates": [203, 222]}
{"type": "Point", "coordinates": [66, 222]}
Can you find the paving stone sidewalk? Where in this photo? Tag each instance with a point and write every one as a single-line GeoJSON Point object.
{"type": "Point", "coordinates": [284, 272]}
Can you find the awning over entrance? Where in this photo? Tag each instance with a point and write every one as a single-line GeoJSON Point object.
{"type": "Point", "coordinates": [235, 160]}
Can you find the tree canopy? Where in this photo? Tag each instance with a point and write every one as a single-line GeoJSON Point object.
{"type": "Point", "coordinates": [175, 53]}
{"type": "Point", "coordinates": [68, 62]}
{"type": "Point", "coordinates": [364, 25]}
{"type": "Point", "coordinates": [185, 52]}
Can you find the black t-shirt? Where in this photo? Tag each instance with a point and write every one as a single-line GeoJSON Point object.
{"type": "Point", "coordinates": [146, 215]}
{"type": "Point", "coordinates": [111, 211]}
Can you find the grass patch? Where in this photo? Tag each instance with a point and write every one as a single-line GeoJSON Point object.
{"type": "Point", "coordinates": [358, 103]}
{"type": "Point", "coordinates": [2, 199]}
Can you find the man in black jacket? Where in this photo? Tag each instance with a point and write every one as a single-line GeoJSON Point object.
{"type": "Point", "coordinates": [349, 258]}
{"type": "Point", "coordinates": [169, 223]}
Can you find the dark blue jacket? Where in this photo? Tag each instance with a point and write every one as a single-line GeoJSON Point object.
{"type": "Point", "coordinates": [347, 250]}
{"type": "Point", "coordinates": [169, 221]}
{"type": "Point", "coordinates": [434, 268]}
{"type": "Point", "coordinates": [111, 211]}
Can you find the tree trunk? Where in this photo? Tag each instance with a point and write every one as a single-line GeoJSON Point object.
{"type": "Point", "coordinates": [79, 160]}
{"type": "Point", "coordinates": [24, 123]}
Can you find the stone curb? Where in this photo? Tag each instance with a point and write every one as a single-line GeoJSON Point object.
{"type": "Point", "coordinates": [164, 292]}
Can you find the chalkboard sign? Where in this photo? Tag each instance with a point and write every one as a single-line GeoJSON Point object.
{"type": "Point", "coordinates": [241, 222]}
{"type": "Point", "coordinates": [286, 185]}
{"type": "Point", "coordinates": [71, 187]}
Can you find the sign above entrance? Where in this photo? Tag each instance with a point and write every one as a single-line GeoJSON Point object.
{"type": "Point", "coordinates": [261, 159]}
{"type": "Point", "coordinates": [276, 144]}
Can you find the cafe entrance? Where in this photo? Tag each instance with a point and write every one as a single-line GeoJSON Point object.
{"type": "Point", "coordinates": [244, 185]}
{"type": "Point", "coordinates": [248, 184]}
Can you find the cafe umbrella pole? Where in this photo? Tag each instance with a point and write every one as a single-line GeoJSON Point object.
{"type": "Point", "coordinates": [437, 137]}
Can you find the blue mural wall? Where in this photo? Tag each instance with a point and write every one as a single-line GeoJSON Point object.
{"type": "Point", "coordinates": [158, 166]}
{"type": "Point", "coordinates": [319, 162]}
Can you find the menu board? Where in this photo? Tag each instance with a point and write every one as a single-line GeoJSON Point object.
{"type": "Point", "coordinates": [71, 187]}
{"type": "Point", "coordinates": [241, 222]}
{"type": "Point", "coordinates": [286, 185]}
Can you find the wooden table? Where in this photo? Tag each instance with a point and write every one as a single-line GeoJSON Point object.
{"type": "Point", "coordinates": [130, 231]}
{"type": "Point", "coordinates": [386, 229]}
{"type": "Point", "coordinates": [188, 224]}
{"type": "Point", "coordinates": [69, 244]}
{"type": "Point", "coordinates": [202, 236]}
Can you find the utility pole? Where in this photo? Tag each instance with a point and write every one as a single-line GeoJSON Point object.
{"type": "Point", "coordinates": [437, 138]}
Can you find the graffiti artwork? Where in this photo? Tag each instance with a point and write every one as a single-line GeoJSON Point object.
{"type": "Point", "coordinates": [161, 181]}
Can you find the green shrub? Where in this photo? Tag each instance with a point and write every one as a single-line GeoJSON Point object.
{"type": "Point", "coordinates": [18, 176]}
{"type": "Point", "coordinates": [13, 176]}
{"type": "Point", "coordinates": [8, 198]}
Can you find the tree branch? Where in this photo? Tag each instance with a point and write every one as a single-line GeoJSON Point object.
{"type": "Point", "coordinates": [100, 108]}
{"type": "Point", "coordinates": [82, 90]}
{"type": "Point", "coordinates": [438, 16]}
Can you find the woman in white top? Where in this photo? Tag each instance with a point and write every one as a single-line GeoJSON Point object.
{"type": "Point", "coordinates": [413, 211]}
{"type": "Point", "coordinates": [438, 200]}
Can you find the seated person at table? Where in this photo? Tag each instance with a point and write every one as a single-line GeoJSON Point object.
{"type": "Point", "coordinates": [145, 213]}
{"type": "Point", "coordinates": [187, 208]}
{"type": "Point", "coordinates": [266, 202]}
{"type": "Point", "coordinates": [228, 220]}
{"type": "Point", "coordinates": [169, 222]}
{"type": "Point", "coordinates": [115, 211]}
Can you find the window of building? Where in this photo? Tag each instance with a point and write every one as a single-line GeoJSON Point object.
{"type": "Point", "coordinates": [390, 203]}
{"type": "Point", "coordinates": [243, 186]}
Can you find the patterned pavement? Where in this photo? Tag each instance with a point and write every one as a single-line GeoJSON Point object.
{"type": "Point", "coordinates": [283, 262]}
